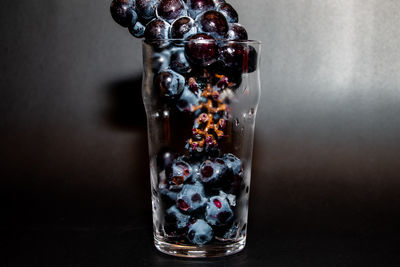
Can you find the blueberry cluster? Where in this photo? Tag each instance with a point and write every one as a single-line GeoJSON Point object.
{"type": "Point", "coordinates": [199, 25]}
{"type": "Point", "coordinates": [178, 19]}
{"type": "Point", "coordinates": [198, 61]}
{"type": "Point", "coordinates": [199, 196]}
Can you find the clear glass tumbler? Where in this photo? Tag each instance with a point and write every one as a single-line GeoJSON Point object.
{"type": "Point", "coordinates": [201, 119]}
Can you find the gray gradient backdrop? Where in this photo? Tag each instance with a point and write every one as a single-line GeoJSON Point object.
{"type": "Point", "coordinates": [73, 133]}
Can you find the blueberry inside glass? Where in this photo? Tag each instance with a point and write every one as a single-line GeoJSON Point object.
{"type": "Point", "coordinates": [201, 91]}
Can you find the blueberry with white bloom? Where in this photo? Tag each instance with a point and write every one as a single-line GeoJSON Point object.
{"type": "Point", "coordinates": [200, 233]}
{"type": "Point", "coordinates": [191, 198]}
{"type": "Point", "coordinates": [218, 211]}
{"type": "Point", "coordinates": [137, 29]}
{"type": "Point", "coordinates": [175, 221]}
{"type": "Point", "coordinates": [188, 100]}
{"type": "Point", "coordinates": [234, 163]}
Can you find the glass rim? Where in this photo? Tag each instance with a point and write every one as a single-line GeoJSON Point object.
{"type": "Point", "coordinates": [248, 42]}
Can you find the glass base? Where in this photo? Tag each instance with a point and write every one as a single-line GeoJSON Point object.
{"type": "Point", "coordinates": [200, 251]}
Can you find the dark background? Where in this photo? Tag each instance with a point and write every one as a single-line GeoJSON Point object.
{"type": "Point", "coordinates": [73, 147]}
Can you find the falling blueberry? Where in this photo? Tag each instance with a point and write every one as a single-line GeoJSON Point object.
{"type": "Point", "coordinates": [199, 6]}
{"type": "Point", "coordinates": [252, 59]}
{"type": "Point", "coordinates": [236, 32]}
{"type": "Point", "coordinates": [239, 57]}
{"type": "Point", "coordinates": [213, 23]}
{"type": "Point", "coordinates": [170, 10]}
{"type": "Point", "coordinates": [156, 30]}
{"type": "Point", "coordinates": [169, 84]}
{"type": "Point", "coordinates": [178, 62]}
{"type": "Point", "coordinates": [123, 12]}
{"type": "Point", "coordinates": [229, 12]}
{"type": "Point", "coordinates": [183, 27]}
{"type": "Point", "coordinates": [146, 8]}
{"type": "Point", "coordinates": [201, 49]}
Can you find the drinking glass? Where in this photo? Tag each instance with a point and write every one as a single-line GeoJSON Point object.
{"type": "Point", "coordinates": [200, 147]}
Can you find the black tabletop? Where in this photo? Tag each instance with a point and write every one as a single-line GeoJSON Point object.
{"type": "Point", "coordinates": [132, 246]}
{"type": "Point", "coordinates": [74, 174]}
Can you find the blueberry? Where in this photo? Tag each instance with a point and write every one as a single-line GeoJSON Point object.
{"type": "Point", "coordinates": [188, 100]}
{"type": "Point", "coordinates": [235, 183]}
{"type": "Point", "coordinates": [137, 29]}
{"type": "Point", "coordinates": [191, 198]}
{"type": "Point", "coordinates": [200, 233]}
{"type": "Point", "coordinates": [234, 164]}
{"type": "Point", "coordinates": [157, 29]}
{"type": "Point", "coordinates": [199, 6]}
{"type": "Point", "coordinates": [169, 84]}
{"type": "Point", "coordinates": [238, 58]}
{"type": "Point", "coordinates": [123, 12]}
{"type": "Point", "coordinates": [213, 172]}
{"type": "Point", "coordinates": [236, 32]}
{"type": "Point", "coordinates": [252, 59]}
{"type": "Point", "coordinates": [229, 12]}
{"type": "Point", "coordinates": [179, 62]}
{"type": "Point", "coordinates": [168, 196]}
{"type": "Point", "coordinates": [213, 23]}
{"type": "Point", "coordinates": [175, 221]}
{"type": "Point", "coordinates": [170, 10]}
{"type": "Point", "coordinates": [178, 173]}
{"type": "Point", "coordinates": [201, 49]}
{"type": "Point", "coordinates": [160, 61]}
{"type": "Point", "coordinates": [183, 27]}
{"type": "Point", "coordinates": [218, 211]}
{"type": "Point", "coordinates": [233, 56]}
{"type": "Point", "coordinates": [146, 8]}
